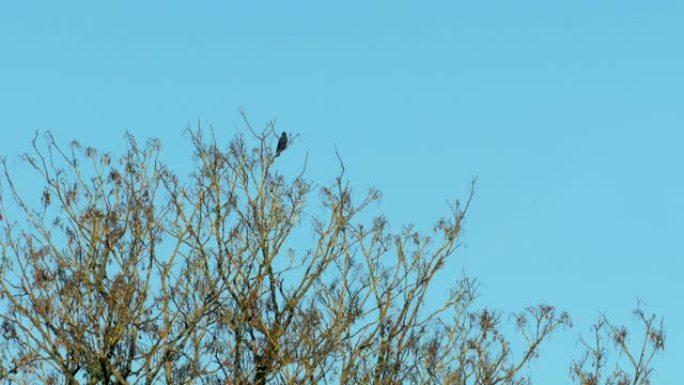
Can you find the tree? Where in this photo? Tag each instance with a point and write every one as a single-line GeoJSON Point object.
{"type": "Point", "coordinates": [592, 368]}
{"type": "Point", "coordinates": [126, 274]}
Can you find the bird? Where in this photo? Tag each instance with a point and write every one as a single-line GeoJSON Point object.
{"type": "Point", "coordinates": [282, 144]}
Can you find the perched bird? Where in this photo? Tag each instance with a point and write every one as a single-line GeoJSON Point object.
{"type": "Point", "coordinates": [282, 144]}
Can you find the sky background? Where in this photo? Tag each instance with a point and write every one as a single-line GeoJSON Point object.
{"type": "Point", "coordinates": [570, 113]}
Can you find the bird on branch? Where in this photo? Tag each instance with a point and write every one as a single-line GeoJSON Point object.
{"type": "Point", "coordinates": [282, 144]}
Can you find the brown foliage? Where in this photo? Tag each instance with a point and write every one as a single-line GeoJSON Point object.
{"type": "Point", "coordinates": [593, 367]}
{"type": "Point", "coordinates": [124, 274]}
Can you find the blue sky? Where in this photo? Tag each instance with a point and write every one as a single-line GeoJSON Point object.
{"type": "Point", "coordinates": [569, 112]}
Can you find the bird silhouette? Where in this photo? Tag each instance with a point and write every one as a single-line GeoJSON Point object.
{"type": "Point", "coordinates": [282, 144]}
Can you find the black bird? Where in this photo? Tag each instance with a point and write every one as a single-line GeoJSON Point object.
{"type": "Point", "coordinates": [282, 144]}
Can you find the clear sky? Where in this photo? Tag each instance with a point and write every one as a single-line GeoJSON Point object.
{"type": "Point", "coordinates": [571, 113]}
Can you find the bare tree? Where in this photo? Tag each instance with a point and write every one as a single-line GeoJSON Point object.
{"type": "Point", "coordinates": [596, 367]}
{"type": "Point", "coordinates": [123, 273]}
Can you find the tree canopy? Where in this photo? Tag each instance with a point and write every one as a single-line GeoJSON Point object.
{"type": "Point", "coordinates": [122, 272]}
